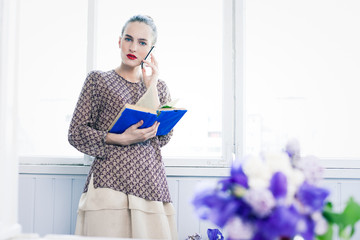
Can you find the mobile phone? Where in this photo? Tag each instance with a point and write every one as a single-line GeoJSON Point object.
{"type": "Point", "coordinates": [142, 63]}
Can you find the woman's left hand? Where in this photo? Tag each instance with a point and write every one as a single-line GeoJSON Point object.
{"type": "Point", "coordinates": [153, 77]}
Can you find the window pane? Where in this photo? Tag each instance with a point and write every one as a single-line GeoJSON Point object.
{"type": "Point", "coordinates": [52, 68]}
{"type": "Point", "coordinates": [302, 76]}
{"type": "Point", "coordinates": [189, 52]}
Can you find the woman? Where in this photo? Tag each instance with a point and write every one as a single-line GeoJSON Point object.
{"type": "Point", "coordinates": [126, 193]}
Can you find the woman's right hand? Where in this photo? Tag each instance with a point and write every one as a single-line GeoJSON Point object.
{"type": "Point", "coordinates": [133, 134]}
{"type": "Point", "coordinates": [153, 77]}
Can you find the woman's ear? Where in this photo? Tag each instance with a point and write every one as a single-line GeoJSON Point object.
{"type": "Point", "coordinates": [119, 42]}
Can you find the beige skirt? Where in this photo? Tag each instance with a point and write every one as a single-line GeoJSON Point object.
{"type": "Point", "coordinates": [104, 212]}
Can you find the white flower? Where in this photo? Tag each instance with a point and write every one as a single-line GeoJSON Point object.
{"type": "Point", "coordinates": [258, 172]}
{"type": "Point", "coordinates": [311, 169]}
{"type": "Point", "coordinates": [237, 229]}
{"type": "Point", "coordinates": [301, 226]}
{"type": "Point", "coordinates": [321, 224]}
{"type": "Point", "coordinates": [278, 163]}
{"type": "Point", "coordinates": [295, 179]}
{"type": "Point", "coordinates": [261, 200]}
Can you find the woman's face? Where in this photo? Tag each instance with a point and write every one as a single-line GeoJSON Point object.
{"type": "Point", "coordinates": [135, 43]}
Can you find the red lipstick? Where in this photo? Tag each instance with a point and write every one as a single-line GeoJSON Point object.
{"type": "Point", "coordinates": [131, 57]}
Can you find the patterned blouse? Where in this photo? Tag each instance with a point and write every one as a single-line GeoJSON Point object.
{"type": "Point", "coordinates": [135, 169]}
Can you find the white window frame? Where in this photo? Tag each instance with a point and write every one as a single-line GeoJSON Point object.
{"type": "Point", "coordinates": [233, 123]}
{"type": "Point", "coordinates": [232, 133]}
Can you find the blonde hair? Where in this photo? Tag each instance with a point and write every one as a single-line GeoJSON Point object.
{"type": "Point", "coordinates": [144, 19]}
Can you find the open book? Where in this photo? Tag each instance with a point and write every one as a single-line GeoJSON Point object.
{"type": "Point", "coordinates": [131, 114]}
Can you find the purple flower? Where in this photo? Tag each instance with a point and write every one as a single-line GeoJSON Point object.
{"type": "Point", "coordinates": [312, 197]}
{"type": "Point", "coordinates": [281, 223]}
{"type": "Point", "coordinates": [306, 228]}
{"type": "Point", "coordinates": [226, 184]}
{"type": "Point", "coordinates": [278, 185]}
{"type": "Point", "coordinates": [238, 176]}
{"type": "Point", "coordinates": [259, 236]}
{"type": "Point", "coordinates": [214, 234]}
{"type": "Point", "coordinates": [215, 205]}
{"type": "Point", "coordinates": [293, 149]}
{"type": "Point", "coordinates": [194, 237]}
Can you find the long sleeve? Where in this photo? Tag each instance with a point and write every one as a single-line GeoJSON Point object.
{"type": "Point", "coordinates": [83, 134]}
{"type": "Point", "coordinates": [164, 97]}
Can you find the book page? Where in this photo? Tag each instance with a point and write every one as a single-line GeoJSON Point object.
{"type": "Point", "coordinates": [150, 99]}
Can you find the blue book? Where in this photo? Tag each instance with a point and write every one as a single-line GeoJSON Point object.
{"type": "Point", "coordinates": [131, 114]}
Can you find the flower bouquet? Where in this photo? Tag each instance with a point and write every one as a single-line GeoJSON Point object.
{"type": "Point", "coordinates": [274, 197]}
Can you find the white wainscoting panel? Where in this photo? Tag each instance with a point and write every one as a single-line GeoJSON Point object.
{"type": "Point", "coordinates": [48, 202]}
{"type": "Point", "coordinates": [27, 202]}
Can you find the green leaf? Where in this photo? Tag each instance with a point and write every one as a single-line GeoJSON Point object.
{"type": "Point", "coordinates": [345, 220]}
{"type": "Point", "coordinates": [351, 213]}
{"type": "Point", "coordinates": [166, 106]}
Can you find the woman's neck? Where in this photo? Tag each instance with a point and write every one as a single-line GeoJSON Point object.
{"type": "Point", "coordinates": [129, 73]}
